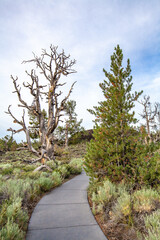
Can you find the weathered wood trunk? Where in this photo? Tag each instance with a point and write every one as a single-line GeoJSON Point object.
{"type": "Point", "coordinates": [42, 132]}
{"type": "Point", "coordinates": [29, 142]}
{"type": "Point", "coordinates": [50, 147]}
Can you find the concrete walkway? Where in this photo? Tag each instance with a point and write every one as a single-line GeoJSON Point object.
{"type": "Point", "coordinates": [64, 214]}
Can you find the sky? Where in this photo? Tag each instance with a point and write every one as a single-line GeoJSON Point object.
{"type": "Point", "coordinates": [88, 30]}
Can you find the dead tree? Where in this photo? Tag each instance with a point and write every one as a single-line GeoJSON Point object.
{"type": "Point", "coordinates": [51, 67]}
{"type": "Point", "coordinates": [148, 114]}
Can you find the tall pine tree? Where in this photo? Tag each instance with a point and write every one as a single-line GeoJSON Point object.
{"type": "Point", "coordinates": [114, 149]}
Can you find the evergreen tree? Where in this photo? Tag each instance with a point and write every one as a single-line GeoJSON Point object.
{"type": "Point", "coordinates": [72, 125]}
{"type": "Point", "coordinates": [114, 149]}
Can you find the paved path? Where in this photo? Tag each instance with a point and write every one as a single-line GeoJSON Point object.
{"type": "Point", "coordinates": [64, 214]}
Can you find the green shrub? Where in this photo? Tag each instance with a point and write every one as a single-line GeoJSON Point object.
{"type": "Point", "coordinates": [14, 188]}
{"type": "Point", "coordinates": [153, 235]}
{"type": "Point", "coordinates": [106, 192]}
{"type": "Point", "coordinates": [103, 194]}
{"type": "Point", "coordinates": [14, 211]}
{"type": "Point", "coordinates": [56, 178]}
{"type": "Point", "coordinates": [45, 183]}
{"type": "Point", "coordinates": [45, 174]}
{"type": "Point", "coordinates": [149, 169]}
{"type": "Point", "coordinates": [5, 165]}
{"type": "Point", "coordinates": [58, 150]}
{"type": "Point", "coordinates": [33, 175]}
{"type": "Point", "coordinates": [11, 231]}
{"type": "Point", "coordinates": [6, 168]}
{"type": "Point", "coordinates": [51, 164]}
{"type": "Point", "coordinates": [16, 171]}
{"type": "Point", "coordinates": [123, 187]}
{"type": "Point", "coordinates": [152, 224]}
{"type": "Point", "coordinates": [29, 168]}
{"type": "Point", "coordinates": [3, 217]}
{"type": "Point", "coordinates": [76, 165]}
{"type": "Point", "coordinates": [122, 208]}
{"type": "Point", "coordinates": [7, 143]}
{"type": "Point", "coordinates": [7, 171]}
{"type": "Point", "coordinates": [94, 208]}
{"type": "Point", "coordinates": [153, 220]}
{"type": "Point", "coordinates": [64, 170]}
{"type": "Point", "coordinates": [145, 200]}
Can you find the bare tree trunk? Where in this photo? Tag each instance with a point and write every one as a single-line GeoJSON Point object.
{"type": "Point", "coordinates": [42, 132]}
{"type": "Point", "coordinates": [50, 147]}
{"type": "Point", "coordinates": [29, 142]}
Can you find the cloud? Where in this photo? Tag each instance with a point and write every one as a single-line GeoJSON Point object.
{"type": "Point", "coordinates": [89, 30]}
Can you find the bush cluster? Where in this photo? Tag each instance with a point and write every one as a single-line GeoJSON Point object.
{"type": "Point", "coordinates": [76, 165]}
{"type": "Point", "coordinates": [21, 189]}
{"type": "Point", "coordinates": [127, 205]}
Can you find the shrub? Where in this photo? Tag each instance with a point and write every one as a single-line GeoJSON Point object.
{"type": "Point", "coordinates": [122, 208]}
{"type": "Point", "coordinates": [5, 165]}
{"type": "Point", "coordinates": [7, 143]}
{"type": "Point", "coordinates": [64, 170]}
{"type": "Point", "coordinates": [29, 168]}
{"type": "Point", "coordinates": [152, 224]}
{"type": "Point", "coordinates": [76, 165]}
{"type": "Point", "coordinates": [16, 171]}
{"type": "Point", "coordinates": [45, 183]}
{"type": "Point", "coordinates": [45, 174]}
{"type": "Point", "coordinates": [11, 231]}
{"type": "Point", "coordinates": [51, 164]}
{"type": "Point", "coordinates": [106, 192]}
{"type": "Point", "coordinates": [144, 200]}
{"type": "Point", "coordinates": [56, 178]}
{"type": "Point", "coordinates": [153, 220]}
{"type": "Point", "coordinates": [14, 188]}
{"type": "Point", "coordinates": [153, 235]}
{"type": "Point", "coordinates": [7, 171]}
{"type": "Point", "coordinates": [6, 168]}
{"type": "Point", "coordinates": [15, 212]}
{"type": "Point", "coordinates": [103, 194]}
{"type": "Point", "coordinates": [149, 169]}
{"type": "Point", "coordinates": [123, 188]}
{"type": "Point", "coordinates": [58, 150]}
{"type": "Point", "coordinates": [3, 217]}
{"type": "Point", "coordinates": [33, 175]}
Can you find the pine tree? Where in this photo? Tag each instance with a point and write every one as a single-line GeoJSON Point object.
{"type": "Point", "coordinates": [114, 148]}
{"type": "Point", "coordinates": [72, 125]}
